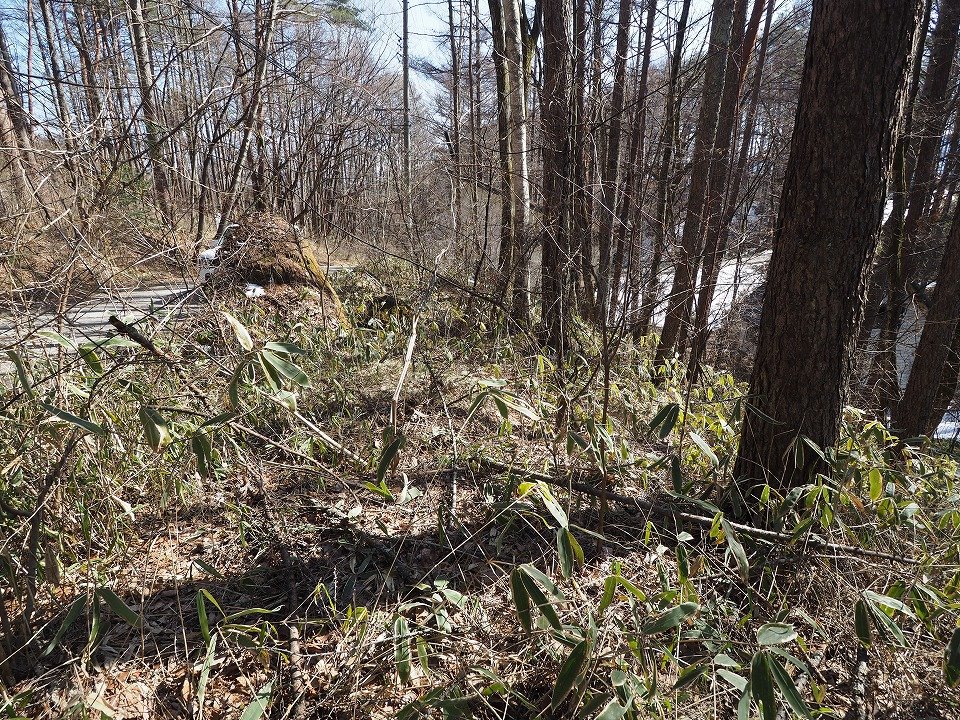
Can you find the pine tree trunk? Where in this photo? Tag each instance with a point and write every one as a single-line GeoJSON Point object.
{"type": "Point", "coordinates": [915, 412]}
{"type": "Point", "coordinates": [851, 94]}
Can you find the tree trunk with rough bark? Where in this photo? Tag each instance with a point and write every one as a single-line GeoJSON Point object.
{"type": "Point", "coordinates": [851, 94]}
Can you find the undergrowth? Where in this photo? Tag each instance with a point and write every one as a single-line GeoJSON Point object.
{"type": "Point", "coordinates": [243, 522]}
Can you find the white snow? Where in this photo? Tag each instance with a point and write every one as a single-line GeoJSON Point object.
{"type": "Point", "coordinates": [949, 427]}
{"type": "Point", "coordinates": [252, 290]}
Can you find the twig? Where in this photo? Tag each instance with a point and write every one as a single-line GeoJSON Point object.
{"type": "Point", "coordinates": [668, 511]}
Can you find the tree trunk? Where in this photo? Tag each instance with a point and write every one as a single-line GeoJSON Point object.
{"type": "Point", "coordinates": [915, 412]}
{"type": "Point", "coordinates": [663, 223]}
{"type": "Point", "coordinates": [741, 48]}
{"type": "Point", "coordinates": [555, 114]}
{"type": "Point", "coordinates": [139, 39]}
{"type": "Point", "coordinates": [519, 179]}
{"type": "Point", "coordinates": [611, 169]}
{"type": "Point", "coordinates": [929, 123]}
{"type": "Point", "coordinates": [627, 232]}
{"type": "Point", "coordinates": [681, 292]}
{"type": "Point", "coordinates": [507, 256]}
{"type": "Point", "coordinates": [849, 111]}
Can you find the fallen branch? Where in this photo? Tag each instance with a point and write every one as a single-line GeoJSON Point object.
{"type": "Point", "coordinates": [673, 513]}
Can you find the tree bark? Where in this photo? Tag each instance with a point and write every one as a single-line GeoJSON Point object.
{"type": "Point", "coordinates": [681, 292]}
{"type": "Point", "coordinates": [663, 222]}
{"type": "Point", "coordinates": [915, 412]}
{"type": "Point", "coordinates": [555, 114]}
{"type": "Point", "coordinates": [851, 93]}
{"type": "Point", "coordinates": [930, 120]}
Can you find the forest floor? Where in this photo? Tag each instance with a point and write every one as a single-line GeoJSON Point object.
{"type": "Point", "coordinates": [246, 524]}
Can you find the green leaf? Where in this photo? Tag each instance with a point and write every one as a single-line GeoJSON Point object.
{"type": "Point", "coordinates": [541, 601]}
{"type": "Point", "coordinates": [546, 582]}
{"type": "Point", "coordinates": [705, 449]}
{"type": "Point", "coordinates": [205, 672]}
{"type": "Point", "coordinates": [76, 608]}
{"type": "Point", "coordinates": [571, 674]}
{"type": "Point", "coordinates": [876, 485]}
{"type": "Point", "coordinates": [521, 600]}
{"type": "Point", "coordinates": [389, 453]}
{"type": "Point", "coordinates": [787, 688]}
{"type": "Point", "coordinates": [613, 710]}
{"type": "Point", "coordinates": [690, 675]}
{"type": "Point", "coordinates": [203, 449]}
{"type": "Point", "coordinates": [761, 686]}
{"type": "Point", "coordinates": [736, 549]}
{"type": "Point", "coordinates": [89, 355]}
{"type": "Point", "coordinates": [272, 375]}
{"type": "Point", "coordinates": [80, 422]}
{"type": "Point", "coordinates": [284, 348]}
{"type": "Point", "coordinates": [243, 337]}
{"type": "Point", "coordinates": [293, 373]}
{"type": "Point", "coordinates": [287, 399]}
{"type": "Point", "coordinates": [671, 619]}
{"type": "Point", "coordinates": [255, 710]}
{"type": "Point", "coordinates": [156, 429]}
{"type": "Point", "coordinates": [738, 681]}
{"type": "Point", "coordinates": [885, 625]}
{"type": "Point", "coordinates": [22, 374]}
{"type": "Point", "coordinates": [743, 706]}
{"type": "Point", "coordinates": [951, 660]}
{"type": "Point", "coordinates": [202, 617]}
{"type": "Point", "coordinates": [776, 633]}
{"type": "Point", "coordinates": [120, 607]}
{"type": "Point", "coordinates": [861, 621]}
{"type": "Point", "coordinates": [570, 552]}
{"type": "Point", "coordinates": [401, 648]}
{"type": "Point", "coordinates": [888, 602]}
{"type": "Point", "coordinates": [665, 419]}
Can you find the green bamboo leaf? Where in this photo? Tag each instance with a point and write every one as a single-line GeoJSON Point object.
{"type": "Point", "coordinates": [665, 419]}
{"type": "Point", "coordinates": [272, 375]}
{"type": "Point", "coordinates": [541, 601]}
{"type": "Point", "coordinates": [861, 620]}
{"type": "Point", "coordinates": [671, 619]}
{"type": "Point", "coordinates": [205, 673]}
{"type": "Point", "coordinates": [284, 348]}
{"type": "Point", "coordinates": [951, 660]}
{"type": "Point", "coordinates": [613, 710]}
{"type": "Point", "coordinates": [738, 681]}
{"type": "Point", "coordinates": [401, 648]}
{"type": "Point", "coordinates": [119, 607]}
{"type": "Point", "coordinates": [77, 607]}
{"type": "Point", "coordinates": [156, 429]}
{"type": "Point", "coordinates": [736, 549]}
{"type": "Point", "coordinates": [389, 453]}
{"type": "Point", "coordinates": [876, 485]}
{"type": "Point", "coordinates": [255, 710]}
{"type": "Point", "coordinates": [690, 675]}
{"type": "Point", "coordinates": [293, 373]}
{"type": "Point", "coordinates": [203, 448]}
{"type": "Point", "coordinates": [202, 617]}
{"type": "Point", "coordinates": [243, 336]}
{"type": "Point", "coordinates": [705, 449]}
{"type": "Point", "coordinates": [787, 688]}
{"type": "Point", "coordinates": [761, 686]}
{"type": "Point", "coordinates": [80, 422]}
{"type": "Point", "coordinates": [22, 373]}
{"type": "Point", "coordinates": [544, 581]}
{"type": "Point", "coordinates": [776, 633]}
{"type": "Point", "coordinates": [521, 600]}
{"type": "Point", "coordinates": [571, 674]}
